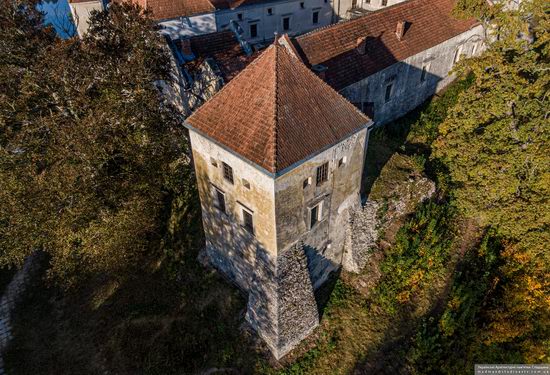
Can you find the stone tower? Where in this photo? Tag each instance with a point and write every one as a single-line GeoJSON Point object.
{"type": "Point", "coordinates": [278, 156]}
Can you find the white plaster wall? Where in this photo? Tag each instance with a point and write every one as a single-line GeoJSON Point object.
{"type": "Point", "coordinates": [408, 91]}
{"type": "Point", "coordinates": [189, 26]}
{"type": "Point", "coordinates": [259, 198]}
{"type": "Point", "coordinates": [301, 20]}
{"type": "Point", "coordinates": [81, 14]}
{"type": "Point", "coordinates": [341, 7]}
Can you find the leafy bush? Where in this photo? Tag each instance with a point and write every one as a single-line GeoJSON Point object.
{"type": "Point", "coordinates": [421, 252]}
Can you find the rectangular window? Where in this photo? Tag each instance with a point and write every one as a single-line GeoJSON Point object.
{"type": "Point", "coordinates": [341, 162]}
{"type": "Point", "coordinates": [254, 30]}
{"type": "Point", "coordinates": [307, 182]}
{"type": "Point", "coordinates": [354, 4]}
{"type": "Point", "coordinates": [387, 95]}
{"type": "Point", "coordinates": [457, 55]}
{"type": "Point", "coordinates": [384, 3]}
{"type": "Point", "coordinates": [315, 17]}
{"type": "Point", "coordinates": [246, 184]}
{"type": "Point", "coordinates": [240, 16]}
{"type": "Point", "coordinates": [220, 200]}
{"type": "Point", "coordinates": [302, 5]}
{"type": "Point", "coordinates": [322, 173]}
{"type": "Point", "coordinates": [315, 215]}
{"type": "Point", "coordinates": [423, 74]}
{"type": "Point", "coordinates": [269, 11]}
{"type": "Point", "coordinates": [286, 23]}
{"type": "Point", "coordinates": [248, 221]}
{"type": "Point", "coordinates": [228, 173]}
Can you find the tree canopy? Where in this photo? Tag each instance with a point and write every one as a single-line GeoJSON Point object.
{"type": "Point", "coordinates": [496, 145]}
{"type": "Point", "coordinates": [88, 147]}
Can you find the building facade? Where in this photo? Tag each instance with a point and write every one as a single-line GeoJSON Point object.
{"type": "Point", "coordinates": [278, 157]}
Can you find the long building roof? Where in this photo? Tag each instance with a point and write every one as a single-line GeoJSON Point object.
{"type": "Point", "coordinates": [428, 23]}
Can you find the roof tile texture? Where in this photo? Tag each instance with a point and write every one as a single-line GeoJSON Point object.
{"type": "Point", "coordinates": [429, 23]}
{"type": "Point", "coordinates": [276, 112]}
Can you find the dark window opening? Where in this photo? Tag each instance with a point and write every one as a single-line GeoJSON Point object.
{"type": "Point", "coordinates": [270, 11]}
{"type": "Point", "coordinates": [387, 95]}
{"type": "Point", "coordinates": [314, 219]}
{"type": "Point", "coordinates": [302, 5]}
{"type": "Point", "coordinates": [240, 16]}
{"type": "Point", "coordinates": [423, 74]}
{"type": "Point", "coordinates": [384, 3]}
{"type": "Point", "coordinates": [286, 23]}
{"type": "Point", "coordinates": [322, 173]}
{"type": "Point", "coordinates": [248, 221]}
{"type": "Point", "coordinates": [315, 17]}
{"type": "Point", "coordinates": [253, 31]}
{"type": "Point", "coordinates": [221, 200]}
{"type": "Point", "coordinates": [306, 183]}
{"type": "Point", "coordinates": [228, 173]}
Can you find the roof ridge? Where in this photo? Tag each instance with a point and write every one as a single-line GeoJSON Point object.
{"type": "Point", "coordinates": [276, 111]}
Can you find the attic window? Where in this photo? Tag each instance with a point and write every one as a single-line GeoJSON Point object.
{"type": "Point", "coordinates": [269, 11]}
{"type": "Point", "coordinates": [302, 5]}
{"type": "Point", "coordinates": [240, 16]}
{"type": "Point", "coordinates": [400, 29]}
{"type": "Point", "coordinates": [361, 45]}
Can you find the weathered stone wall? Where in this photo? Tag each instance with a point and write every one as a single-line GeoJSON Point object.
{"type": "Point", "coordinates": [281, 306]}
{"type": "Point", "coordinates": [324, 243]}
{"type": "Point", "coordinates": [408, 90]}
{"type": "Point", "coordinates": [362, 236]}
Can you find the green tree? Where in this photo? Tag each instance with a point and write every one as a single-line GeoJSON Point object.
{"type": "Point", "coordinates": [88, 147]}
{"type": "Point", "coordinates": [495, 144]}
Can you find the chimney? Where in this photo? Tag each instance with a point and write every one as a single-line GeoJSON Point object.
{"type": "Point", "coordinates": [400, 29]}
{"type": "Point", "coordinates": [361, 45]}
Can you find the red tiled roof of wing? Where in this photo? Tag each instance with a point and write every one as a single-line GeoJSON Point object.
{"type": "Point", "coordinates": [224, 48]}
{"type": "Point", "coordinates": [430, 23]}
{"type": "Point", "coordinates": [167, 9]}
{"type": "Point", "coordinates": [276, 112]}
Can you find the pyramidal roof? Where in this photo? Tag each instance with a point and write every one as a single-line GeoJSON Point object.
{"type": "Point", "coordinates": [276, 112]}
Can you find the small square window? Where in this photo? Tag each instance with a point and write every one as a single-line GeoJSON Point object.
{"type": "Point", "coordinates": [269, 11]}
{"type": "Point", "coordinates": [214, 162]}
{"type": "Point", "coordinates": [302, 5]}
{"type": "Point", "coordinates": [384, 3]}
{"type": "Point", "coordinates": [240, 16]}
{"type": "Point", "coordinates": [322, 173]}
{"type": "Point", "coordinates": [248, 221]}
{"type": "Point", "coordinates": [341, 162]}
{"type": "Point", "coordinates": [228, 173]}
{"type": "Point", "coordinates": [246, 184]}
{"type": "Point", "coordinates": [220, 200]}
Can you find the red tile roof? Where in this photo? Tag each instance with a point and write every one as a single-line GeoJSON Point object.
{"type": "Point", "coordinates": [430, 23]}
{"type": "Point", "coordinates": [224, 48]}
{"type": "Point", "coordinates": [276, 112]}
{"type": "Point", "coordinates": [167, 9]}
